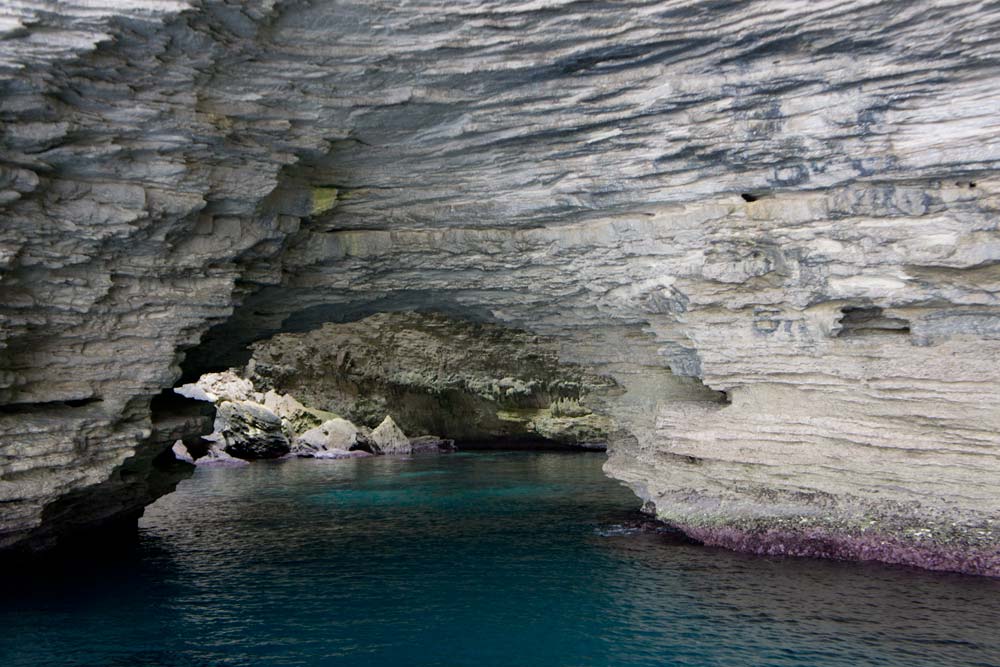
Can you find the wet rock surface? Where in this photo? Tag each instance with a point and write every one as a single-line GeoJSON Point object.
{"type": "Point", "coordinates": [774, 225]}
{"type": "Point", "coordinates": [431, 444]}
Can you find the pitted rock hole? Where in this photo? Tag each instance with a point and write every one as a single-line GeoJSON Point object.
{"type": "Point", "coordinates": [870, 321]}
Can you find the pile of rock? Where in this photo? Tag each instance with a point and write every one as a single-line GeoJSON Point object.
{"type": "Point", "coordinates": [252, 425]}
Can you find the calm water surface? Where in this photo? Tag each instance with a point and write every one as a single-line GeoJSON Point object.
{"type": "Point", "coordinates": [470, 559]}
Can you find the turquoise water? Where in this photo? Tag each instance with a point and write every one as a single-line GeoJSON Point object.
{"type": "Point", "coordinates": [485, 559]}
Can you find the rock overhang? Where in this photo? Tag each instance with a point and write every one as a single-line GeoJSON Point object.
{"type": "Point", "coordinates": [572, 169]}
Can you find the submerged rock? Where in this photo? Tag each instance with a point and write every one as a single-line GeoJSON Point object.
{"type": "Point", "coordinates": [217, 457]}
{"type": "Point", "coordinates": [425, 444]}
{"type": "Point", "coordinates": [331, 454]}
{"type": "Point", "coordinates": [340, 454]}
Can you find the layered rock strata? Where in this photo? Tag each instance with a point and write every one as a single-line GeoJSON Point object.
{"type": "Point", "coordinates": [774, 224]}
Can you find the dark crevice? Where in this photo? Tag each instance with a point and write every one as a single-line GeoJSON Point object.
{"type": "Point", "coordinates": [870, 321]}
{"type": "Point", "coordinates": [747, 197]}
{"type": "Point", "coordinates": [175, 417]}
{"type": "Point", "coordinates": [80, 402]}
{"type": "Point", "coordinates": [42, 406]}
{"type": "Point", "coordinates": [197, 446]}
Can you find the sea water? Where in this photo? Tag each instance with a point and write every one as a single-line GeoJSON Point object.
{"type": "Point", "coordinates": [498, 558]}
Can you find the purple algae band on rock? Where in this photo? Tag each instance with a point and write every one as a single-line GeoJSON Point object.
{"type": "Point", "coordinates": [819, 543]}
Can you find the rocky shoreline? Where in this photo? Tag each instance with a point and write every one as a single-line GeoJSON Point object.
{"type": "Point", "coordinates": [251, 425]}
{"type": "Point", "coordinates": [928, 554]}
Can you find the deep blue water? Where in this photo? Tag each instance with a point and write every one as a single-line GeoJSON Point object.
{"type": "Point", "coordinates": [485, 559]}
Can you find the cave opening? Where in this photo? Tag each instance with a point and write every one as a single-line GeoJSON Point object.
{"type": "Point", "coordinates": [396, 383]}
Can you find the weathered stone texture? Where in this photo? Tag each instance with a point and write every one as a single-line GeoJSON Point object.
{"type": "Point", "coordinates": [433, 374]}
{"type": "Point", "coordinates": [795, 204]}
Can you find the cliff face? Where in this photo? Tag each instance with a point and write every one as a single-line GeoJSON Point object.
{"type": "Point", "coordinates": [774, 224]}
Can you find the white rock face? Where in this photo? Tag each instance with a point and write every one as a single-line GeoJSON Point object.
{"type": "Point", "coordinates": [387, 438]}
{"type": "Point", "coordinates": [774, 224]}
{"type": "Point", "coordinates": [283, 405]}
{"type": "Point", "coordinates": [335, 434]}
{"type": "Point", "coordinates": [296, 418]}
{"type": "Point", "coordinates": [218, 387]}
{"type": "Point", "coordinates": [181, 452]}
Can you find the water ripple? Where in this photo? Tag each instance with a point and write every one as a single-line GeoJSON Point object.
{"type": "Point", "coordinates": [493, 559]}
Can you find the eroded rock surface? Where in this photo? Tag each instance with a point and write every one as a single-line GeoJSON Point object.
{"type": "Point", "coordinates": [335, 434]}
{"type": "Point", "coordinates": [388, 438]}
{"type": "Point", "coordinates": [435, 374]}
{"type": "Point", "coordinates": [250, 431]}
{"type": "Point", "coordinates": [774, 224]}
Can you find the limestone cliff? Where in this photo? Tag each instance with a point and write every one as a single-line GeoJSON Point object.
{"type": "Point", "coordinates": [774, 224]}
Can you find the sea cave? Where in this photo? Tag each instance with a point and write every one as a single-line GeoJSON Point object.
{"type": "Point", "coordinates": [543, 310]}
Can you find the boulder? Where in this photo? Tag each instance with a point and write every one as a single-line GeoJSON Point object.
{"type": "Point", "coordinates": [217, 387]}
{"type": "Point", "coordinates": [334, 434]}
{"type": "Point", "coordinates": [250, 431]}
{"type": "Point", "coordinates": [298, 418]}
{"type": "Point", "coordinates": [387, 438]}
{"type": "Point", "coordinates": [181, 452]}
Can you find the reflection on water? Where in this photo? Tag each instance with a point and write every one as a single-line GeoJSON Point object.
{"type": "Point", "coordinates": [470, 559]}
